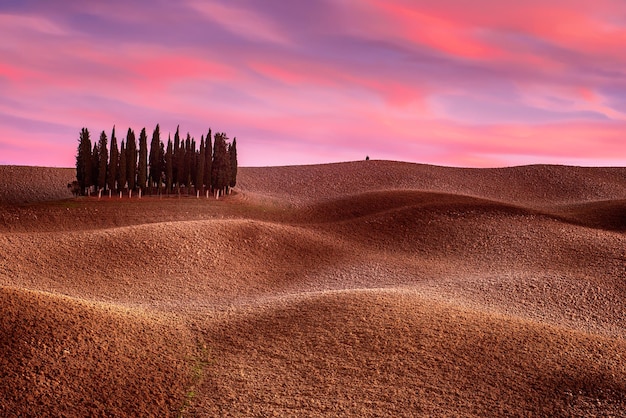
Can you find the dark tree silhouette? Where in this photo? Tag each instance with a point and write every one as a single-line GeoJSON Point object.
{"type": "Point", "coordinates": [103, 155]}
{"type": "Point", "coordinates": [113, 162]}
{"type": "Point", "coordinates": [232, 153]}
{"type": "Point", "coordinates": [186, 162]}
{"type": "Point", "coordinates": [122, 174]}
{"type": "Point", "coordinates": [83, 161]}
{"type": "Point", "coordinates": [95, 165]}
{"type": "Point", "coordinates": [155, 161]}
{"type": "Point", "coordinates": [131, 159]}
{"type": "Point", "coordinates": [176, 167]}
{"type": "Point", "coordinates": [162, 167]}
{"type": "Point", "coordinates": [208, 160]}
{"type": "Point", "coordinates": [74, 187]}
{"type": "Point", "coordinates": [211, 167]}
{"type": "Point", "coordinates": [142, 168]}
{"type": "Point", "coordinates": [181, 164]}
{"type": "Point", "coordinates": [200, 167]}
{"type": "Point", "coordinates": [221, 163]}
{"type": "Point", "coordinates": [193, 160]}
{"type": "Point", "coordinates": [169, 167]}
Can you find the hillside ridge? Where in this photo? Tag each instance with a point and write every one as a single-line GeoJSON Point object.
{"type": "Point", "coordinates": [364, 288]}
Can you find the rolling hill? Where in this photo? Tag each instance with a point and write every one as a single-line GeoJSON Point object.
{"type": "Point", "coordinates": [370, 288]}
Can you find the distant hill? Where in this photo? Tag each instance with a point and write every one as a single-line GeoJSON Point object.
{"type": "Point", "coordinates": [301, 185]}
{"type": "Point", "coordinates": [23, 184]}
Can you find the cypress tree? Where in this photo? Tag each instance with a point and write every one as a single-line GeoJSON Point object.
{"type": "Point", "coordinates": [162, 167]}
{"type": "Point", "coordinates": [176, 170]}
{"type": "Point", "coordinates": [80, 160]}
{"type": "Point", "coordinates": [113, 162]}
{"type": "Point", "coordinates": [155, 163]}
{"type": "Point", "coordinates": [142, 173]}
{"type": "Point", "coordinates": [217, 147]}
{"type": "Point", "coordinates": [131, 159]}
{"type": "Point", "coordinates": [232, 152]}
{"type": "Point", "coordinates": [181, 164]}
{"type": "Point", "coordinates": [122, 174]}
{"type": "Point", "coordinates": [226, 166]}
{"type": "Point", "coordinates": [103, 155]}
{"type": "Point", "coordinates": [208, 159]}
{"type": "Point", "coordinates": [83, 161]}
{"type": "Point", "coordinates": [169, 166]}
{"type": "Point", "coordinates": [187, 162]}
{"type": "Point", "coordinates": [95, 165]}
{"type": "Point", "coordinates": [221, 163]}
{"type": "Point", "coordinates": [200, 166]}
{"type": "Point", "coordinates": [193, 162]}
{"type": "Point", "coordinates": [214, 165]}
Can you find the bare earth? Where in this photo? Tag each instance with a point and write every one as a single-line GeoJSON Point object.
{"type": "Point", "coordinates": [356, 289]}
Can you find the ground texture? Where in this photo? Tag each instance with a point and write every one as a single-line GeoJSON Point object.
{"type": "Point", "coordinates": [370, 288]}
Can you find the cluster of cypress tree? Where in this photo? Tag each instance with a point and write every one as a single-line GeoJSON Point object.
{"type": "Point", "coordinates": [212, 167]}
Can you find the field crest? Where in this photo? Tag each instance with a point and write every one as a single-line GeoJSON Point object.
{"type": "Point", "coordinates": [360, 289]}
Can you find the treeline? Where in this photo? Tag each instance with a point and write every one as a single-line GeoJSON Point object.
{"type": "Point", "coordinates": [210, 168]}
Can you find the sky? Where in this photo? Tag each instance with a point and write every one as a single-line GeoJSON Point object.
{"type": "Point", "coordinates": [481, 83]}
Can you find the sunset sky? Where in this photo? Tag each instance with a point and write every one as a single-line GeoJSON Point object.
{"type": "Point", "coordinates": [481, 83]}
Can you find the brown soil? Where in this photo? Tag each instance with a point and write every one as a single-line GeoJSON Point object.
{"type": "Point", "coordinates": [357, 289]}
{"type": "Point", "coordinates": [34, 184]}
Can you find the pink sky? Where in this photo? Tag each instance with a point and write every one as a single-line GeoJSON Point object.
{"type": "Point", "coordinates": [479, 83]}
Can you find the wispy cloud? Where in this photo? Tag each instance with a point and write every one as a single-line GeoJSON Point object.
{"type": "Point", "coordinates": [438, 82]}
{"type": "Point", "coordinates": [241, 22]}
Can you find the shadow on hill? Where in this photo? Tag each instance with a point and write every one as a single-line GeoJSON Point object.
{"type": "Point", "coordinates": [214, 262]}
{"type": "Point", "coordinates": [362, 352]}
{"type": "Point", "coordinates": [608, 215]}
{"type": "Point", "coordinates": [477, 232]}
{"type": "Point", "coordinates": [379, 202]}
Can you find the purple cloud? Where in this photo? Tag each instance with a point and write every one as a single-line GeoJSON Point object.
{"type": "Point", "coordinates": [321, 81]}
